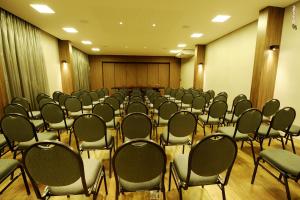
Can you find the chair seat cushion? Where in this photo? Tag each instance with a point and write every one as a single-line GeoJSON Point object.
{"type": "Point", "coordinates": [147, 185]}
{"type": "Point", "coordinates": [230, 132]}
{"type": "Point", "coordinates": [38, 123]}
{"type": "Point", "coordinates": [110, 124]}
{"type": "Point", "coordinates": [185, 105]}
{"type": "Point", "coordinates": [181, 165]}
{"type": "Point", "coordinates": [203, 118]}
{"type": "Point", "coordinates": [283, 160]}
{"type": "Point", "coordinates": [75, 114]}
{"type": "Point", "coordinates": [177, 101]}
{"type": "Point", "coordinates": [95, 102]}
{"type": "Point", "coordinates": [2, 140]}
{"type": "Point", "coordinates": [117, 112]}
{"type": "Point", "coordinates": [46, 135]}
{"type": "Point", "coordinates": [173, 139]}
{"type": "Point", "coordinates": [7, 166]}
{"type": "Point", "coordinates": [163, 122]}
{"type": "Point", "coordinates": [61, 125]}
{"type": "Point", "coordinates": [35, 114]}
{"type": "Point", "coordinates": [89, 107]}
{"type": "Point", "coordinates": [99, 144]}
{"type": "Point", "coordinates": [263, 129]}
{"type": "Point", "coordinates": [229, 118]}
{"type": "Point", "coordinates": [295, 130]}
{"type": "Point", "coordinates": [196, 111]}
{"type": "Point", "coordinates": [91, 171]}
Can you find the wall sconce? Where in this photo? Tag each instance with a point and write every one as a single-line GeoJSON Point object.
{"type": "Point", "coordinates": [65, 64]}
{"type": "Point", "coordinates": [200, 67]}
{"type": "Point", "coordinates": [274, 47]}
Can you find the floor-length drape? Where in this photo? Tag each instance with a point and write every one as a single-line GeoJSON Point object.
{"type": "Point", "coordinates": [81, 70]}
{"type": "Point", "coordinates": [21, 58]}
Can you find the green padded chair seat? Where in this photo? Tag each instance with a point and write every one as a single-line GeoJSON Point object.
{"type": "Point", "coordinates": [211, 120]}
{"type": "Point", "coordinates": [95, 102]}
{"type": "Point", "coordinates": [126, 139]}
{"type": "Point", "coordinates": [75, 114]}
{"type": "Point", "coordinates": [181, 164]}
{"type": "Point", "coordinates": [35, 114]}
{"type": "Point", "coordinates": [101, 100]}
{"type": "Point", "coordinates": [61, 125]}
{"type": "Point", "coordinates": [196, 111]}
{"type": "Point", "coordinates": [228, 117]}
{"type": "Point", "coordinates": [147, 185]}
{"type": "Point", "coordinates": [172, 98]}
{"type": "Point", "coordinates": [230, 132]}
{"type": "Point", "coordinates": [46, 135]}
{"type": "Point", "coordinates": [117, 113]}
{"type": "Point", "coordinates": [155, 111]}
{"type": "Point", "coordinates": [173, 139]}
{"type": "Point", "coordinates": [6, 167]}
{"type": "Point", "coordinates": [263, 129]}
{"type": "Point", "coordinates": [97, 144]}
{"type": "Point", "coordinates": [110, 124]}
{"type": "Point", "coordinates": [151, 105]}
{"type": "Point", "coordinates": [89, 107]}
{"type": "Point", "coordinates": [2, 140]}
{"type": "Point", "coordinates": [283, 160]}
{"type": "Point", "coordinates": [186, 105]}
{"type": "Point", "coordinates": [294, 130]}
{"type": "Point", "coordinates": [91, 171]}
{"type": "Point", "coordinates": [163, 122]}
{"type": "Point", "coordinates": [177, 101]}
{"type": "Point", "coordinates": [38, 123]}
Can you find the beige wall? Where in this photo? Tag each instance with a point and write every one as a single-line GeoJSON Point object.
{"type": "Point", "coordinates": [288, 72]}
{"type": "Point", "coordinates": [187, 72]}
{"type": "Point", "coordinates": [51, 56]}
{"type": "Point", "coordinates": [229, 62]}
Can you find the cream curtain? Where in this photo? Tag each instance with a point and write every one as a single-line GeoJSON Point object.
{"type": "Point", "coordinates": [81, 70]}
{"type": "Point", "coordinates": [21, 58]}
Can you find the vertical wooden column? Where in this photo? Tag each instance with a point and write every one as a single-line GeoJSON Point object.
{"type": "Point", "coordinates": [199, 66]}
{"type": "Point", "coordinates": [265, 64]}
{"type": "Point", "coordinates": [66, 66]}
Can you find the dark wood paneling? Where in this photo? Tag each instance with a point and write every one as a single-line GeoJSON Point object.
{"type": "Point", "coordinates": [199, 72]}
{"type": "Point", "coordinates": [153, 75]}
{"type": "Point", "coordinates": [108, 75]}
{"type": "Point", "coordinates": [120, 74]}
{"type": "Point", "coordinates": [175, 69]}
{"type": "Point", "coordinates": [142, 74]}
{"type": "Point", "coordinates": [131, 77]}
{"type": "Point", "coordinates": [164, 75]}
{"type": "Point", "coordinates": [96, 78]}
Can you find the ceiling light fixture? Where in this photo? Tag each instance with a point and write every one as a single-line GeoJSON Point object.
{"type": "Point", "coordinates": [95, 49]}
{"type": "Point", "coordinates": [220, 18]}
{"type": "Point", "coordinates": [70, 30]}
{"type": "Point", "coordinates": [153, 25]}
{"type": "Point", "coordinates": [181, 45]}
{"type": "Point", "coordinates": [121, 23]}
{"type": "Point", "coordinates": [196, 35]}
{"type": "Point", "coordinates": [42, 8]}
{"type": "Point", "coordinates": [175, 51]}
{"type": "Point", "coordinates": [86, 42]}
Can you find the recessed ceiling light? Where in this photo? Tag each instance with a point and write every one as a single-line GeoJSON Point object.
{"type": "Point", "coordinates": [70, 30]}
{"type": "Point", "coordinates": [126, 47]}
{"type": "Point", "coordinates": [196, 35]}
{"type": "Point", "coordinates": [220, 18]}
{"type": "Point", "coordinates": [121, 23]}
{"type": "Point", "coordinates": [42, 8]}
{"type": "Point", "coordinates": [95, 49]}
{"type": "Point", "coordinates": [145, 47]}
{"type": "Point", "coordinates": [181, 45]}
{"type": "Point", "coordinates": [153, 25]}
{"type": "Point", "coordinates": [87, 42]}
{"type": "Point", "coordinates": [175, 51]}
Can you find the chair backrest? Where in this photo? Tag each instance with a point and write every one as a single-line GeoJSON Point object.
{"type": "Point", "coordinates": [53, 164]}
{"type": "Point", "coordinates": [199, 102]}
{"type": "Point", "coordinates": [241, 106]}
{"type": "Point", "coordinates": [270, 107]}
{"type": "Point", "coordinates": [173, 93]}
{"type": "Point", "coordinates": [136, 107]}
{"type": "Point", "coordinates": [167, 91]}
{"type": "Point", "coordinates": [207, 97]}
{"type": "Point", "coordinates": [158, 101]}
{"type": "Point", "coordinates": [101, 93]}
{"type": "Point", "coordinates": [211, 156]}
{"type": "Point", "coordinates": [135, 99]}
{"type": "Point", "coordinates": [283, 119]}
{"type": "Point", "coordinates": [217, 109]}
{"type": "Point", "coordinates": [90, 128]}
{"type": "Point", "coordinates": [237, 99]}
{"type": "Point", "coordinates": [167, 109]}
{"type": "Point", "coordinates": [45, 100]}
{"type": "Point", "coordinates": [106, 91]}
{"type": "Point", "coordinates": [119, 96]}
{"type": "Point", "coordinates": [139, 161]}
{"type": "Point", "coordinates": [187, 98]}
{"type": "Point", "coordinates": [40, 96]}
{"type": "Point", "coordinates": [52, 113]}
{"type": "Point", "coordinates": [105, 111]}
{"type": "Point", "coordinates": [211, 93]}
{"type": "Point", "coordinates": [94, 95]}
{"type": "Point", "coordinates": [223, 93]}
{"type": "Point", "coordinates": [86, 99]}
{"type": "Point", "coordinates": [73, 104]}
{"type": "Point", "coordinates": [17, 128]}
{"type": "Point", "coordinates": [179, 94]}
{"type": "Point", "coordinates": [136, 126]}
{"type": "Point", "coordinates": [15, 108]}
{"type": "Point", "coordinates": [113, 101]}
{"type": "Point", "coordinates": [22, 101]}
{"type": "Point", "coordinates": [248, 122]}
{"type": "Point", "coordinates": [55, 96]}
{"type": "Point", "coordinates": [182, 124]}
{"type": "Point", "coordinates": [62, 98]}
{"type": "Point", "coordinates": [220, 98]}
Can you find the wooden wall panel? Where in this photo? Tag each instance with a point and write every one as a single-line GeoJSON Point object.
{"type": "Point", "coordinates": [142, 74]}
{"type": "Point", "coordinates": [199, 71]}
{"type": "Point", "coordinates": [131, 78]}
{"type": "Point", "coordinates": [153, 79]}
{"type": "Point", "coordinates": [95, 76]}
{"type": "Point", "coordinates": [108, 75]}
{"type": "Point", "coordinates": [164, 74]}
{"type": "Point", "coordinates": [175, 69]}
{"type": "Point", "coordinates": [120, 74]}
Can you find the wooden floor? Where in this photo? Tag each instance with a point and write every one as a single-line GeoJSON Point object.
{"type": "Point", "coordinates": [239, 187]}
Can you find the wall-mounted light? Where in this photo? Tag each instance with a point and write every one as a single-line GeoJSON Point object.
{"type": "Point", "coordinates": [65, 64]}
{"type": "Point", "coordinates": [200, 67]}
{"type": "Point", "coordinates": [274, 47]}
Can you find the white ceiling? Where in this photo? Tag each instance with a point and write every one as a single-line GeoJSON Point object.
{"type": "Point", "coordinates": [98, 21]}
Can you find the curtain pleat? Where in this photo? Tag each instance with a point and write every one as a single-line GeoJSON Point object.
{"type": "Point", "coordinates": [21, 58]}
{"type": "Point", "coordinates": [81, 68]}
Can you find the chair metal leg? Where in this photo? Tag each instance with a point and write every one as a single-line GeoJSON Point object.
{"type": "Point", "coordinates": [180, 192]}
{"type": "Point", "coordinates": [223, 192]}
{"type": "Point", "coordinates": [242, 144]}
{"type": "Point", "coordinates": [88, 153]}
{"type": "Point", "coordinates": [204, 129]}
{"type": "Point", "coordinates": [287, 139]}
{"type": "Point", "coordinates": [261, 143]}
{"type": "Point", "coordinates": [170, 177]}
{"type": "Point", "coordinates": [110, 150]}
{"type": "Point", "coordinates": [255, 170]}
{"type": "Point", "coordinates": [105, 183]}
{"type": "Point", "coordinates": [70, 138]}
{"type": "Point", "coordinates": [270, 140]}
{"type": "Point", "coordinates": [282, 143]}
{"type": "Point", "coordinates": [293, 145]}
{"type": "Point", "coordinates": [286, 183]}
{"type": "Point", "coordinates": [252, 150]}
{"type": "Point", "coordinates": [182, 149]}
{"type": "Point", "coordinates": [25, 180]}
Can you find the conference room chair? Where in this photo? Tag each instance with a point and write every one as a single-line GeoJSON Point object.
{"type": "Point", "coordinates": [20, 133]}
{"type": "Point", "coordinates": [157, 101]}
{"type": "Point", "coordinates": [210, 157]}
{"type": "Point", "coordinates": [186, 101]}
{"type": "Point", "coordinates": [33, 114]}
{"type": "Point", "coordinates": [55, 96]}
{"type": "Point", "coordinates": [41, 96]}
{"type": "Point", "coordinates": [62, 99]}
{"type": "Point", "coordinates": [7, 168]}
{"type": "Point", "coordinates": [91, 134]}
{"type": "Point", "coordinates": [294, 131]}
{"type": "Point", "coordinates": [139, 165]}
{"type": "Point", "coordinates": [45, 100]}
{"type": "Point", "coordinates": [173, 94]}
{"type": "Point", "coordinates": [211, 93]}
{"type": "Point", "coordinates": [247, 123]}
{"type": "Point", "coordinates": [208, 99]}
{"type": "Point", "coordinates": [239, 108]}
{"type": "Point", "coordinates": [284, 162]}
{"type": "Point", "coordinates": [95, 97]}
{"type": "Point", "coordinates": [236, 100]}
{"type": "Point", "coordinates": [101, 95]}
{"type": "Point", "coordinates": [198, 105]}
{"type": "Point", "coordinates": [136, 126]}
{"type": "Point", "coordinates": [223, 94]}
{"type": "Point", "coordinates": [3, 144]}
{"type": "Point", "coordinates": [55, 119]}
{"type": "Point", "coordinates": [106, 92]}
{"type": "Point", "coordinates": [115, 103]}
{"type": "Point", "coordinates": [278, 127]}
{"type": "Point", "coordinates": [181, 129]}
{"type": "Point", "coordinates": [269, 109]}
{"type": "Point", "coordinates": [73, 107]}
{"type": "Point", "coordinates": [135, 99]}
{"type": "Point", "coordinates": [133, 107]}
{"type": "Point", "coordinates": [87, 101]}
{"type": "Point", "coordinates": [167, 92]}
{"type": "Point", "coordinates": [220, 97]}
{"type": "Point", "coordinates": [120, 96]}
{"type": "Point", "coordinates": [62, 171]}
{"type": "Point", "coordinates": [215, 116]}
{"type": "Point", "coordinates": [15, 108]}
{"type": "Point", "coordinates": [178, 96]}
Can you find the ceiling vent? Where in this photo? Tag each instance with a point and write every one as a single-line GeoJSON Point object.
{"type": "Point", "coordinates": [186, 53]}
